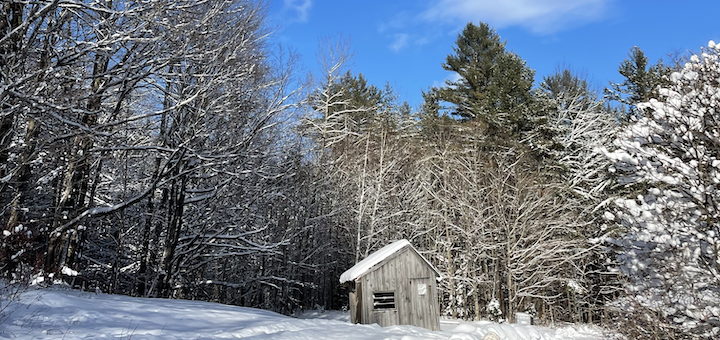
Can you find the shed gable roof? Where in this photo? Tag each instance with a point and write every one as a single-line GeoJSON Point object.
{"type": "Point", "coordinates": [366, 265]}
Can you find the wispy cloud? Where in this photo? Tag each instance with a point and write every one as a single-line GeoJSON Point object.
{"type": "Point", "coordinates": [401, 40]}
{"type": "Point", "coordinates": [426, 23]}
{"type": "Point", "coordinates": [398, 22]}
{"type": "Point", "coordinates": [301, 9]}
{"type": "Point", "coordinates": [540, 16]}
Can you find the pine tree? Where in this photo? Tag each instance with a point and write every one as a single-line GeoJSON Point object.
{"type": "Point", "coordinates": [494, 85]}
{"type": "Point", "coordinates": [641, 81]}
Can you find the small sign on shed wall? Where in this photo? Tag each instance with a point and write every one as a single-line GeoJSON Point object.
{"type": "Point", "coordinates": [422, 289]}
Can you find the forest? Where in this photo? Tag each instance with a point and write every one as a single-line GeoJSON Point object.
{"type": "Point", "coordinates": [167, 148]}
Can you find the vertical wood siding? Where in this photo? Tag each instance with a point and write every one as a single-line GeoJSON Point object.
{"type": "Point", "coordinates": [401, 274]}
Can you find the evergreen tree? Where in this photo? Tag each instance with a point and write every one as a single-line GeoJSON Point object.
{"type": "Point", "coordinates": [360, 95]}
{"type": "Point", "coordinates": [668, 161]}
{"type": "Point", "coordinates": [565, 86]}
{"type": "Point", "coordinates": [494, 85]}
{"type": "Point", "coordinates": [641, 81]}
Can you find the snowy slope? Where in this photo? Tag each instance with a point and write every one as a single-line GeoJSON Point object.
{"type": "Point", "coordinates": [64, 314]}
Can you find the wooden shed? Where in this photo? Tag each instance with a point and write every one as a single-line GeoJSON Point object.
{"type": "Point", "coordinates": [394, 286]}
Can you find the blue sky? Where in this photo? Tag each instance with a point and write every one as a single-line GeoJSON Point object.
{"type": "Point", "coordinates": [404, 42]}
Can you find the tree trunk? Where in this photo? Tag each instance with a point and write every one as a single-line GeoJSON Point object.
{"type": "Point", "coordinates": [64, 242]}
{"type": "Point", "coordinates": [175, 213]}
{"type": "Point", "coordinates": [147, 262]}
{"type": "Point", "coordinates": [11, 19]}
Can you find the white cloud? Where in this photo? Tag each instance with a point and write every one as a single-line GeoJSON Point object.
{"type": "Point", "coordinates": [398, 22]}
{"type": "Point", "coordinates": [300, 7]}
{"type": "Point", "coordinates": [423, 41]}
{"type": "Point", "coordinates": [540, 16]}
{"type": "Point", "coordinates": [401, 41]}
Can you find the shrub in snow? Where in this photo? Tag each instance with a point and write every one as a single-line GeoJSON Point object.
{"type": "Point", "coordinates": [671, 160]}
{"type": "Point", "coordinates": [494, 310]}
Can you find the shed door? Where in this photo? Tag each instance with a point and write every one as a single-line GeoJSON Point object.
{"type": "Point", "coordinates": [424, 304]}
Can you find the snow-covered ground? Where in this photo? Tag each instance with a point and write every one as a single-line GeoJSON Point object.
{"type": "Point", "coordinates": [67, 314]}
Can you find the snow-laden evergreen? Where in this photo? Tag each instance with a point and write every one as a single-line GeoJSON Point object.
{"type": "Point", "coordinates": [670, 163]}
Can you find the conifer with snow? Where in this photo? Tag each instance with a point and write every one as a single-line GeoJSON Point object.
{"type": "Point", "coordinates": [669, 160]}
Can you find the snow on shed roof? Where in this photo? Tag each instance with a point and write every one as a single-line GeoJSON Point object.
{"type": "Point", "coordinates": [364, 266]}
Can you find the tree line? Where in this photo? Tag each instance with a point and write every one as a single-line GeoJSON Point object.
{"type": "Point", "coordinates": [168, 149]}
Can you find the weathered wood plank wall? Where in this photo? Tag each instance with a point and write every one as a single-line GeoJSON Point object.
{"type": "Point", "coordinates": [401, 274]}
